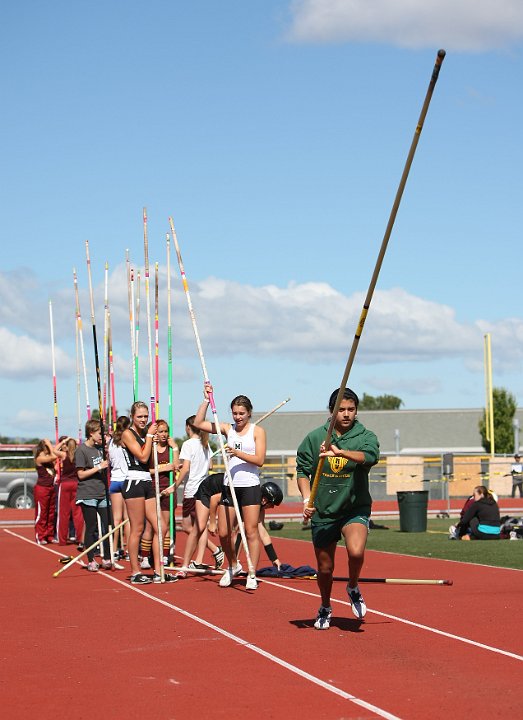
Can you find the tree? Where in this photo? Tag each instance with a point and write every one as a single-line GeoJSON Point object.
{"type": "Point", "coordinates": [505, 406]}
{"type": "Point", "coordinates": [381, 402]}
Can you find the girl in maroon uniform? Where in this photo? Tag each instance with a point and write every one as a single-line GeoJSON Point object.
{"type": "Point", "coordinates": [44, 491]}
{"type": "Point", "coordinates": [67, 487]}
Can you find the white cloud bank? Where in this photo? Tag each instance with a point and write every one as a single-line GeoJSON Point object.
{"type": "Point", "coordinates": [308, 322]}
{"type": "Point", "coordinates": [459, 25]}
{"type": "Point", "coordinates": [24, 358]}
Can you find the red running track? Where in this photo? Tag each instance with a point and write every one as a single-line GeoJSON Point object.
{"type": "Point", "coordinates": [90, 645]}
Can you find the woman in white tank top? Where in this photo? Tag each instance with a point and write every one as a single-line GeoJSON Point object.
{"type": "Point", "coordinates": [246, 446]}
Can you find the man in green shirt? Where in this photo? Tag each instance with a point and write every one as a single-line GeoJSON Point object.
{"type": "Point", "coordinates": [343, 503]}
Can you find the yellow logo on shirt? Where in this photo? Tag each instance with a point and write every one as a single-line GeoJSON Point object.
{"type": "Point", "coordinates": [337, 463]}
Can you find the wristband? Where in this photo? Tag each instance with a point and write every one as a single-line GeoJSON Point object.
{"type": "Point", "coordinates": [306, 500]}
{"type": "Point", "coordinates": [271, 552]}
{"type": "Point", "coordinates": [149, 435]}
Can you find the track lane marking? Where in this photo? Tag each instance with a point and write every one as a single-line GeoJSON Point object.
{"type": "Point", "coordinates": [420, 626]}
{"type": "Point", "coordinates": [238, 640]}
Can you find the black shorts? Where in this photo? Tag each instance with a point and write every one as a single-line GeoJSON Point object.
{"type": "Point", "coordinates": [138, 489]}
{"type": "Point", "coordinates": [244, 495]}
{"type": "Point", "coordinates": [212, 485]}
{"type": "Point", "coordinates": [188, 508]}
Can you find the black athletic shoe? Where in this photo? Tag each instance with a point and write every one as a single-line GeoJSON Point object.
{"type": "Point", "coordinates": [198, 566]}
{"type": "Point", "coordinates": [168, 578]}
{"type": "Point", "coordinates": [140, 579]}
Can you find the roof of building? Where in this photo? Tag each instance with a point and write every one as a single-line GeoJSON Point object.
{"type": "Point", "coordinates": [410, 431]}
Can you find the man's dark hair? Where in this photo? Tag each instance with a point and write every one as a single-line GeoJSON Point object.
{"type": "Point", "coordinates": [348, 394]}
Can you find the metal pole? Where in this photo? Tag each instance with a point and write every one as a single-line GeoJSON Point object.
{"type": "Point", "coordinates": [515, 425]}
{"type": "Point", "coordinates": [397, 440]}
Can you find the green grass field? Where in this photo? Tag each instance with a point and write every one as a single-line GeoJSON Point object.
{"type": "Point", "coordinates": [433, 543]}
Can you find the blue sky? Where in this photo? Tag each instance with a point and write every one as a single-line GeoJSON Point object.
{"type": "Point", "coordinates": [275, 134]}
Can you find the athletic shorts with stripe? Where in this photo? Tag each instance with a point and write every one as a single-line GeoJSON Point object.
{"type": "Point", "coordinates": [138, 489]}
{"type": "Point", "coordinates": [326, 532]}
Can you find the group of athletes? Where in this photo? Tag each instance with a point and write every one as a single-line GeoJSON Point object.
{"type": "Point", "coordinates": [138, 450]}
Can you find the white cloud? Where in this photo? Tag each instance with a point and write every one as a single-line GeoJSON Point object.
{"type": "Point", "coordinates": [23, 357]}
{"type": "Point", "coordinates": [310, 322]}
{"type": "Point", "coordinates": [464, 25]}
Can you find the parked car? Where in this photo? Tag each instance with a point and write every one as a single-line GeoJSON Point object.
{"type": "Point", "coordinates": [16, 488]}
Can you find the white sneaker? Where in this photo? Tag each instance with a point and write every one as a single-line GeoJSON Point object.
{"type": "Point", "coordinates": [145, 564]}
{"type": "Point", "coordinates": [323, 618]}
{"type": "Point", "coordinates": [358, 603]}
{"type": "Point", "coordinates": [251, 583]}
{"type": "Point", "coordinates": [453, 533]}
{"type": "Point", "coordinates": [226, 578]}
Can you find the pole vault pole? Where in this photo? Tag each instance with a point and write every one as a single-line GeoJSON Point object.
{"type": "Point", "coordinates": [55, 396]}
{"type": "Point", "coordinates": [156, 344]}
{"type": "Point", "coordinates": [112, 407]}
{"type": "Point", "coordinates": [263, 417]}
{"type": "Point", "coordinates": [170, 391]}
{"type": "Point", "coordinates": [100, 404]}
{"type": "Point", "coordinates": [81, 338]}
{"type": "Point", "coordinates": [252, 569]}
{"type": "Point", "coordinates": [374, 279]}
{"type": "Point", "coordinates": [137, 335]}
{"type": "Point", "coordinates": [130, 302]}
{"type": "Point", "coordinates": [152, 399]}
{"type": "Point", "coordinates": [105, 344]}
{"type": "Point", "coordinates": [78, 383]}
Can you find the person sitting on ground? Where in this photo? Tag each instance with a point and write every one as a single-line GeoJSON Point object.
{"type": "Point", "coordinates": [481, 519]}
{"type": "Point", "coordinates": [457, 531]}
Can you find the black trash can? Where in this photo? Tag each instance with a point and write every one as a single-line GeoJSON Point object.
{"type": "Point", "coordinates": [413, 510]}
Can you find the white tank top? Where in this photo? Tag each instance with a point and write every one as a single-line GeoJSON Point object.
{"type": "Point", "coordinates": [244, 474]}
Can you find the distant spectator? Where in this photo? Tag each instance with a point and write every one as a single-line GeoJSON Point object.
{"type": "Point", "coordinates": [517, 476]}
{"type": "Point", "coordinates": [481, 519]}
{"type": "Point", "coordinates": [457, 531]}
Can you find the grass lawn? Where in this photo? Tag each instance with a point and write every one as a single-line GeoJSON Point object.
{"type": "Point", "coordinates": [433, 543]}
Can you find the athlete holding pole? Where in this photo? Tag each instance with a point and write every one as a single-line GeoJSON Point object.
{"type": "Point", "coordinates": [343, 501]}
{"type": "Point", "coordinates": [246, 446]}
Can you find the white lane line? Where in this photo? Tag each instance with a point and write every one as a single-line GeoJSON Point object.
{"type": "Point", "coordinates": [506, 653]}
{"type": "Point", "coordinates": [240, 641]}
{"type": "Point", "coordinates": [418, 557]}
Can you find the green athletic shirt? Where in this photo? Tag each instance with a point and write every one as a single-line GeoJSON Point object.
{"type": "Point", "coordinates": [343, 484]}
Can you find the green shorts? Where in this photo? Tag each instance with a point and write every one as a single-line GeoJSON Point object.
{"type": "Point", "coordinates": [326, 532]}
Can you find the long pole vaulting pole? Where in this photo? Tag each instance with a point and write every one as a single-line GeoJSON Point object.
{"type": "Point", "coordinates": [100, 403]}
{"type": "Point", "coordinates": [137, 335]}
{"type": "Point", "coordinates": [130, 302]}
{"type": "Point", "coordinates": [170, 389]}
{"type": "Point", "coordinates": [112, 407]}
{"type": "Point", "coordinates": [105, 345]}
{"type": "Point", "coordinates": [108, 534]}
{"type": "Point", "coordinates": [156, 344]}
{"type": "Point", "coordinates": [55, 396]}
{"type": "Point", "coordinates": [263, 417]}
{"type": "Point", "coordinates": [78, 383]}
{"type": "Point", "coordinates": [252, 570]}
{"type": "Point", "coordinates": [153, 400]}
{"type": "Point", "coordinates": [379, 262]}
{"type": "Point", "coordinates": [81, 337]}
